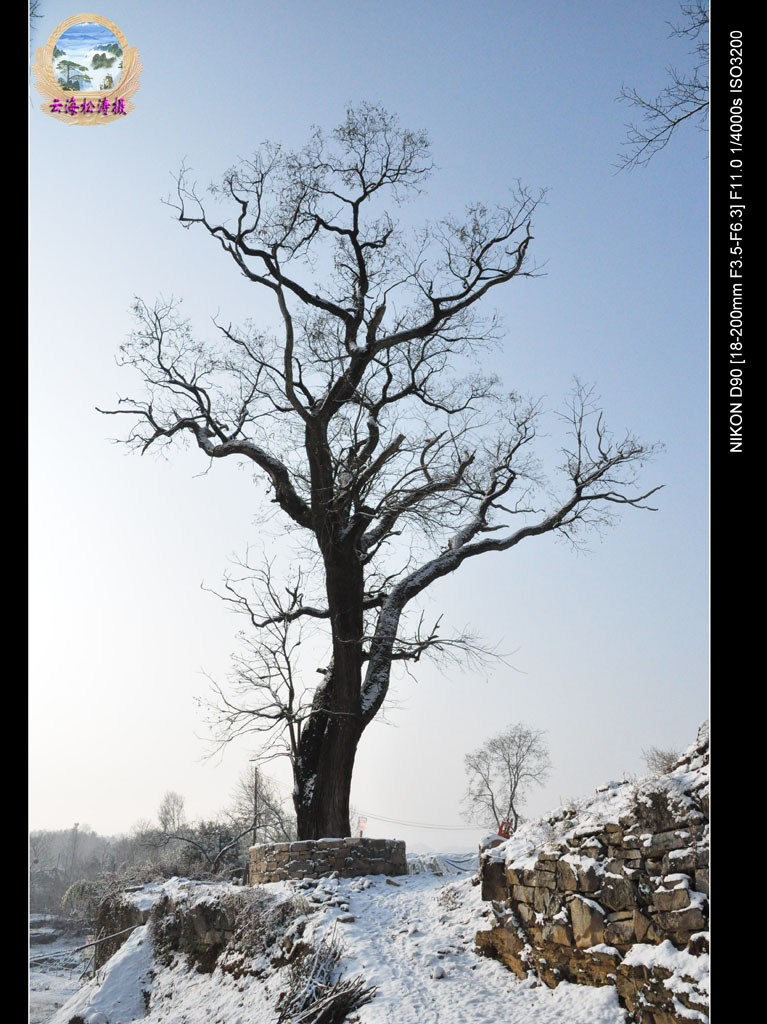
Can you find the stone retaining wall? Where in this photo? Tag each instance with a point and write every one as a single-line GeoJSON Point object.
{"type": "Point", "coordinates": [317, 858]}
{"type": "Point", "coordinates": [614, 902]}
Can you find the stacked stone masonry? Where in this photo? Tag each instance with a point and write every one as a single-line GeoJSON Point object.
{"type": "Point", "coordinates": [621, 903]}
{"type": "Point", "coordinates": [318, 858]}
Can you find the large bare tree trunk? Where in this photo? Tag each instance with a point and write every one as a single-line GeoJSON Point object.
{"type": "Point", "coordinates": [329, 741]}
{"type": "Point", "coordinates": [322, 809]}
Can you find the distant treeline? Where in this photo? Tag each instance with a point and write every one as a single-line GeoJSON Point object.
{"type": "Point", "coordinates": [58, 858]}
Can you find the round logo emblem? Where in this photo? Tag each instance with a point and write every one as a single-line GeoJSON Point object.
{"type": "Point", "coordinates": [86, 72]}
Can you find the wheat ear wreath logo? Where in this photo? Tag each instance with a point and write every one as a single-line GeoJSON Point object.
{"type": "Point", "coordinates": [86, 72]}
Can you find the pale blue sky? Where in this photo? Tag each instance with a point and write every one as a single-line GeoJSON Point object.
{"type": "Point", "coordinates": [86, 36]}
{"type": "Point", "coordinates": [611, 646]}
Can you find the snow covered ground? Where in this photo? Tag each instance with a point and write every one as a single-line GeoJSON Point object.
{"type": "Point", "coordinates": [410, 936]}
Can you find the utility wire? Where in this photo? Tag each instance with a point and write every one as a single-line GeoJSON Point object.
{"type": "Point", "coordinates": [390, 821]}
{"type": "Point", "coordinates": [420, 824]}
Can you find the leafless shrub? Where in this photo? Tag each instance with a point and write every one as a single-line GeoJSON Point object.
{"type": "Point", "coordinates": [659, 761]}
{"type": "Point", "coordinates": [545, 832]}
{"type": "Point", "coordinates": [264, 920]}
{"type": "Point", "coordinates": [268, 931]}
{"type": "Point", "coordinates": [449, 898]}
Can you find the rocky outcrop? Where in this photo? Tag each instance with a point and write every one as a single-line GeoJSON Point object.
{"type": "Point", "coordinates": [116, 915]}
{"type": "Point", "coordinates": [319, 858]}
{"type": "Point", "coordinates": [201, 928]}
{"type": "Point", "coordinates": [614, 892]}
{"type": "Point", "coordinates": [240, 930]}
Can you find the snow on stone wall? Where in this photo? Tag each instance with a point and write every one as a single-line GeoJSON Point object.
{"type": "Point", "coordinates": [612, 892]}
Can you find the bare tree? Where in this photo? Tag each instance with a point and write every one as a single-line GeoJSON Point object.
{"type": "Point", "coordinates": [500, 774]}
{"type": "Point", "coordinates": [170, 813]}
{"type": "Point", "coordinates": [391, 456]}
{"type": "Point", "coordinates": [685, 97]}
{"type": "Point", "coordinates": [257, 802]}
{"type": "Point", "coordinates": [207, 845]}
{"type": "Point", "coordinates": [211, 845]}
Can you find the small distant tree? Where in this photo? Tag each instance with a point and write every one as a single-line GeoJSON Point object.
{"type": "Point", "coordinates": [685, 96]}
{"type": "Point", "coordinates": [501, 772]}
{"type": "Point", "coordinates": [218, 845]}
{"type": "Point", "coordinates": [202, 847]}
{"type": "Point", "coordinates": [660, 761]}
{"type": "Point", "coordinates": [170, 813]}
{"type": "Point", "coordinates": [257, 801]}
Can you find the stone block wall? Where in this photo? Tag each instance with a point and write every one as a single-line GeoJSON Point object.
{"type": "Point", "coordinates": [318, 858]}
{"type": "Point", "coordinates": [619, 902]}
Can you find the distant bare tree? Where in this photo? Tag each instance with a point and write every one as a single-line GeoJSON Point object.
{"type": "Point", "coordinates": [212, 845]}
{"type": "Point", "coordinates": [685, 97]}
{"type": "Point", "coordinates": [170, 813]}
{"type": "Point", "coordinates": [256, 800]}
{"type": "Point", "coordinates": [40, 850]}
{"type": "Point", "coordinates": [208, 846]}
{"type": "Point", "coordinates": [501, 772]}
{"type": "Point", "coordinates": [658, 761]}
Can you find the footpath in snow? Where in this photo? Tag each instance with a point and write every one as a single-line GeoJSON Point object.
{"type": "Point", "coordinates": [415, 942]}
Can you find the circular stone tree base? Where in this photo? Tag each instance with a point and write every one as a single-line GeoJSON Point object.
{"type": "Point", "coordinates": [318, 858]}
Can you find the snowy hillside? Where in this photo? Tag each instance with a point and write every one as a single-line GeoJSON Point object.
{"type": "Point", "coordinates": [413, 939]}
{"type": "Point", "coordinates": [613, 886]}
